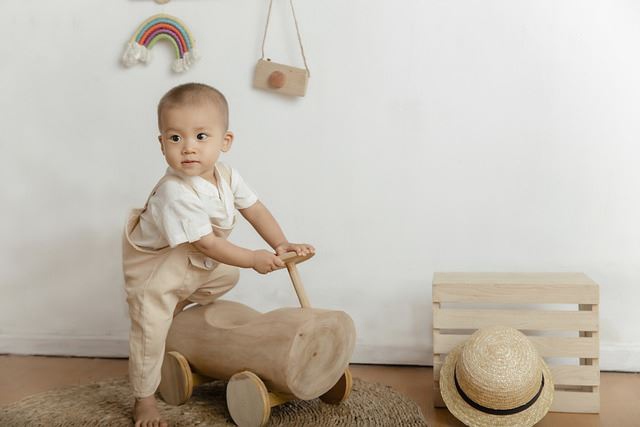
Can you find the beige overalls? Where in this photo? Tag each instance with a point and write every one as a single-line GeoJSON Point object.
{"type": "Point", "coordinates": [155, 281]}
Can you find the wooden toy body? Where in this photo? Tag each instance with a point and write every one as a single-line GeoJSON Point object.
{"type": "Point", "coordinates": [297, 351]}
{"type": "Point", "coordinates": [268, 358]}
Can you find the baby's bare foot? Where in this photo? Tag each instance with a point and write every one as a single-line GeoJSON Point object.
{"type": "Point", "coordinates": [146, 414]}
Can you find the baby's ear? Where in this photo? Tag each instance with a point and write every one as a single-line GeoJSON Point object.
{"type": "Point", "coordinates": [160, 141]}
{"type": "Point", "coordinates": [228, 141]}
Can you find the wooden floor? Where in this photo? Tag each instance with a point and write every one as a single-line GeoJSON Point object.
{"type": "Point", "coordinates": [21, 376]}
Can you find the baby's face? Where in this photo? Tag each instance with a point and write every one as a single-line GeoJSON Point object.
{"type": "Point", "coordinates": [192, 138]}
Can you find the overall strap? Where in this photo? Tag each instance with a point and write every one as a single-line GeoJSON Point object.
{"type": "Point", "coordinates": [162, 180]}
{"type": "Point", "coordinates": [225, 172]}
{"type": "Point", "coordinates": [134, 220]}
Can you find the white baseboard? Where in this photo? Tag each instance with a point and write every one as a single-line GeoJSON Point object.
{"type": "Point", "coordinates": [390, 355]}
{"type": "Point", "coordinates": [64, 345]}
{"type": "Point", "coordinates": [613, 356]}
{"type": "Point", "coordinates": [620, 357]}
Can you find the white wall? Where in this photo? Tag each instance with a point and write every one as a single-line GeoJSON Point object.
{"type": "Point", "coordinates": [435, 136]}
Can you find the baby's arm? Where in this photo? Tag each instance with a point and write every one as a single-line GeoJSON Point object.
{"type": "Point", "coordinates": [268, 228]}
{"type": "Point", "coordinates": [227, 253]}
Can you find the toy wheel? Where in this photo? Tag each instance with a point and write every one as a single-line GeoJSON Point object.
{"type": "Point", "coordinates": [340, 391]}
{"type": "Point", "coordinates": [176, 384]}
{"type": "Point", "coordinates": [248, 400]}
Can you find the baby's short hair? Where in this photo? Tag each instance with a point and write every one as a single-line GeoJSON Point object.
{"type": "Point", "coordinates": [193, 93]}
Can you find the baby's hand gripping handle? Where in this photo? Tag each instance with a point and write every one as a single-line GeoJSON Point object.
{"type": "Point", "coordinates": [292, 257]}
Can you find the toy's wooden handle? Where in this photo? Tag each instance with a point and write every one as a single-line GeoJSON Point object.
{"type": "Point", "coordinates": [290, 259]}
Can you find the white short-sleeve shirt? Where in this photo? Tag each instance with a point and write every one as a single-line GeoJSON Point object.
{"type": "Point", "coordinates": [182, 211]}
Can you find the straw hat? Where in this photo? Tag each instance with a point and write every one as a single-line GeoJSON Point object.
{"type": "Point", "coordinates": [496, 378]}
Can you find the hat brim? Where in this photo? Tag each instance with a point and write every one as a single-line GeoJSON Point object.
{"type": "Point", "coordinates": [476, 418]}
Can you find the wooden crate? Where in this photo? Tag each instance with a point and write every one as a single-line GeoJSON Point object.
{"type": "Point", "coordinates": [577, 386]}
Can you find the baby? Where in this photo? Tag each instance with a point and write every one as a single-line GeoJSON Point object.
{"type": "Point", "coordinates": [175, 249]}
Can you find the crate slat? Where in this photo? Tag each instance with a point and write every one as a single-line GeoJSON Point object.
{"type": "Point", "coordinates": [585, 347]}
{"type": "Point", "coordinates": [575, 401]}
{"type": "Point", "coordinates": [516, 294]}
{"type": "Point", "coordinates": [511, 288]}
{"type": "Point", "coordinates": [575, 375]}
{"type": "Point", "coordinates": [437, 398]}
{"type": "Point", "coordinates": [482, 278]}
{"type": "Point", "coordinates": [436, 371]}
{"type": "Point", "coordinates": [541, 320]}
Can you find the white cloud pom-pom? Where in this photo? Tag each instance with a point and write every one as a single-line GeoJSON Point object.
{"type": "Point", "coordinates": [135, 53]}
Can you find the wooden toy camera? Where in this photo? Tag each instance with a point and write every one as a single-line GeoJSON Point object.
{"type": "Point", "coordinates": [280, 78]}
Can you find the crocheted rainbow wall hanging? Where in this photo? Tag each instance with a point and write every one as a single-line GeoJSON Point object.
{"type": "Point", "coordinates": [161, 27]}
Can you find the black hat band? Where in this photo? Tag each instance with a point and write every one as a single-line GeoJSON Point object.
{"type": "Point", "coordinates": [496, 411]}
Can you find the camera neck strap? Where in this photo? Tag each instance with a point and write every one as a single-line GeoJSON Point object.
{"type": "Point", "coordinates": [264, 39]}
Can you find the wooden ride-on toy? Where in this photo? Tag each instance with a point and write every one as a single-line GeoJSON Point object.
{"type": "Point", "coordinates": [268, 358]}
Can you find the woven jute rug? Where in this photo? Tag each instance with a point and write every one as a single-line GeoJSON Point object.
{"type": "Point", "coordinates": [109, 403]}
